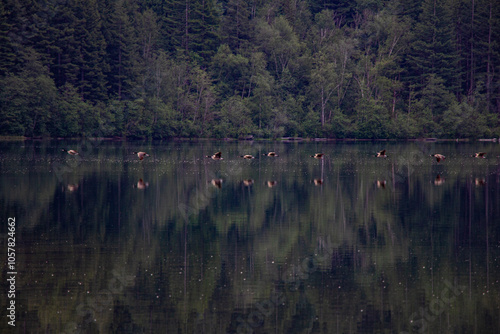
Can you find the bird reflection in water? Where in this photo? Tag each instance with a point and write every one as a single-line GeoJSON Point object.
{"type": "Point", "coordinates": [271, 184]}
{"type": "Point", "coordinates": [479, 181]}
{"type": "Point", "coordinates": [217, 183]}
{"type": "Point", "coordinates": [141, 184]}
{"type": "Point", "coordinates": [439, 180]}
{"type": "Point", "coordinates": [248, 182]}
{"type": "Point", "coordinates": [72, 187]}
{"type": "Point", "coordinates": [318, 182]}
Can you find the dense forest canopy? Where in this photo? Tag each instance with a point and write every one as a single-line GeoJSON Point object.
{"type": "Point", "coordinates": [267, 68]}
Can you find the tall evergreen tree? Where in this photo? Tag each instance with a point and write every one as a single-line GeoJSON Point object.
{"type": "Point", "coordinates": [121, 47]}
{"type": "Point", "coordinates": [7, 55]}
{"type": "Point", "coordinates": [476, 29]}
{"type": "Point", "coordinates": [493, 56]}
{"type": "Point", "coordinates": [173, 24]}
{"type": "Point", "coordinates": [66, 54]}
{"type": "Point", "coordinates": [91, 81]}
{"type": "Point", "coordinates": [204, 29]}
{"type": "Point", "coordinates": [235, 25]}
{"type": "Point", "coordinates": [433, 51]}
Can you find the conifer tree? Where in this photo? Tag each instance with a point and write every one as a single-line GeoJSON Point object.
{"type": "Point", "coordinates": [236, 24]}
{"type": "Point", "coordinates": [433, 51]}
{"type": "Point", "coordinates": [173, 24]}
{"type": "Point", "coordinates": [66, 53]}
{"type": "Point", "coordinates": [91, 81]}
{"type": "Point", "coordinates": [204, 26]}
{"type": "Point", "coordinates": [7, 55]}
{"type": "Point", "coordinates": [121, 47]}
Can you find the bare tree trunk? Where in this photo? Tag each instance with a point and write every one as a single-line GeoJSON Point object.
{"type": "Point", "coordinates": [322, 107]}
{"type": "Point", "coordinates": [471, 84]}
{"type": "Point", "coordinates": [187, 27]}
{"type": "Point", "coordinates": [119, 74]}
{"type": "Point", "coordinates": [488, 64]}
{"type": "Point", "coordinates": [394, 103]}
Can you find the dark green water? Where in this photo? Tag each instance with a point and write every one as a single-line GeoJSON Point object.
{"type": "Point", "coordinates": [180, 243]}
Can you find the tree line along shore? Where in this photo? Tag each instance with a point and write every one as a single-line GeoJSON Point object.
{"type": "Point", "coordinates": [364, 69]}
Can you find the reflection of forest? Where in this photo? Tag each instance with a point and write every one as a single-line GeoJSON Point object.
{"type": "Point", "coordinates": [182, 255]}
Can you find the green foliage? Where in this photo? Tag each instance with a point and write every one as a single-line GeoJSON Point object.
{"type": "Point", "coordinates": [460, 121]}
{"type": "Point", "coordinates": [122, 48]}
{"type": "Point", "coordinates": [432, 50]}
{"type": "Point", "coordinates": [404, 126]}
{"type": "Point", "coordinates": [166, 121]}
{"type": "Point", "coordinates": [233, 120]}
{"type": "Point", "coordinates": [167, 68]}
{"type": "Point", "coordinates": [28, 100]}
{"type": "Point", "coordinates": [312, 124]}
{"type": "Point", "coordinates": [434, 98]}
{"type": "Point", "coordinates": [139, 119]}
{"type": "Point", "coordinates": [371, 121]}
{"type": "Point", "coordinates": [6, 49]}
{"type": "Point", "coordinates": [229, 70]}
{"type": "Point", "coordinates": [235, 27]}
{"type": "Point", "coordinates": [12, 106]}
{"type": "Point", "coordinates": [66, 115]}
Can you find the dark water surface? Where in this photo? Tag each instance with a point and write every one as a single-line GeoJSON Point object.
{"type": "Point", "coordinates": [180, 243]}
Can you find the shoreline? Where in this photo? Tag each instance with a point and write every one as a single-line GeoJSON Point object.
{"type": "Point", "coordinates": [282, 139]}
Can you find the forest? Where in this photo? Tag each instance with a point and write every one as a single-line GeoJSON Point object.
{"type": "Point", "coordinates": [374, 69]}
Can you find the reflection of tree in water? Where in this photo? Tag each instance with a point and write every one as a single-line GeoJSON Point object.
{"type": "Point", "coordinates": [391, 249]}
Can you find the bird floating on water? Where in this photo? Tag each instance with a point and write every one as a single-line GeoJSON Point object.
{"type": "Point", "coordinates": [247, 156]}
{"type": "Point", "coordinates": [71, 152]}
{"type": "Point", "coordinates": [271, 154]}
{"type": "Point", "coordinates": [141, 155]}
{"type": "Point", "coordinates": [318, 156]}
{"type": "Point", "coordinates": [216, 156]}
{"type": "Point", "coordinates": [479, 155]}
{"type": "Point", "coordinates": [381, 154]}
{"type": "Point", "coordinates": [438, 157]}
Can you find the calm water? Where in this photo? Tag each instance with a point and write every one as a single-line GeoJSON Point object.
{"type": "Point", "coordinates": [180, 243]}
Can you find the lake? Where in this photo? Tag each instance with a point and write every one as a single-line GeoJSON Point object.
{"type": "Point", "coordinates": [181, 243]}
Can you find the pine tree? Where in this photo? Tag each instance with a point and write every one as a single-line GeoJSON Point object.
{"type": "Point", "coordinates": [173, 25]}
{"type": "Point", "coordinates": [235, 25]}
{"type": "Point", "coordinates": [433, 51]}
{"type": "Point", "coordinates": [476, 37]}
{"type": "Point", "coordinates": [66, 53]}
{"type": "Point", "coordinates": [121, 47]}
{"type": "Point", "coordinates": [204, 26]}
{"type": "Point", "coordinates": [91, 81]}
{"type": "Point", "coordinates": [7, 55]}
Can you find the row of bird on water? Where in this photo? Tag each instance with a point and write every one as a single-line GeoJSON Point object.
{"type": "Point", "coordinates": [380, 154]}
{"type": "Point", "coordinates": [218, 155]}
{"type": "Point", "coordinates": [140, 155]}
